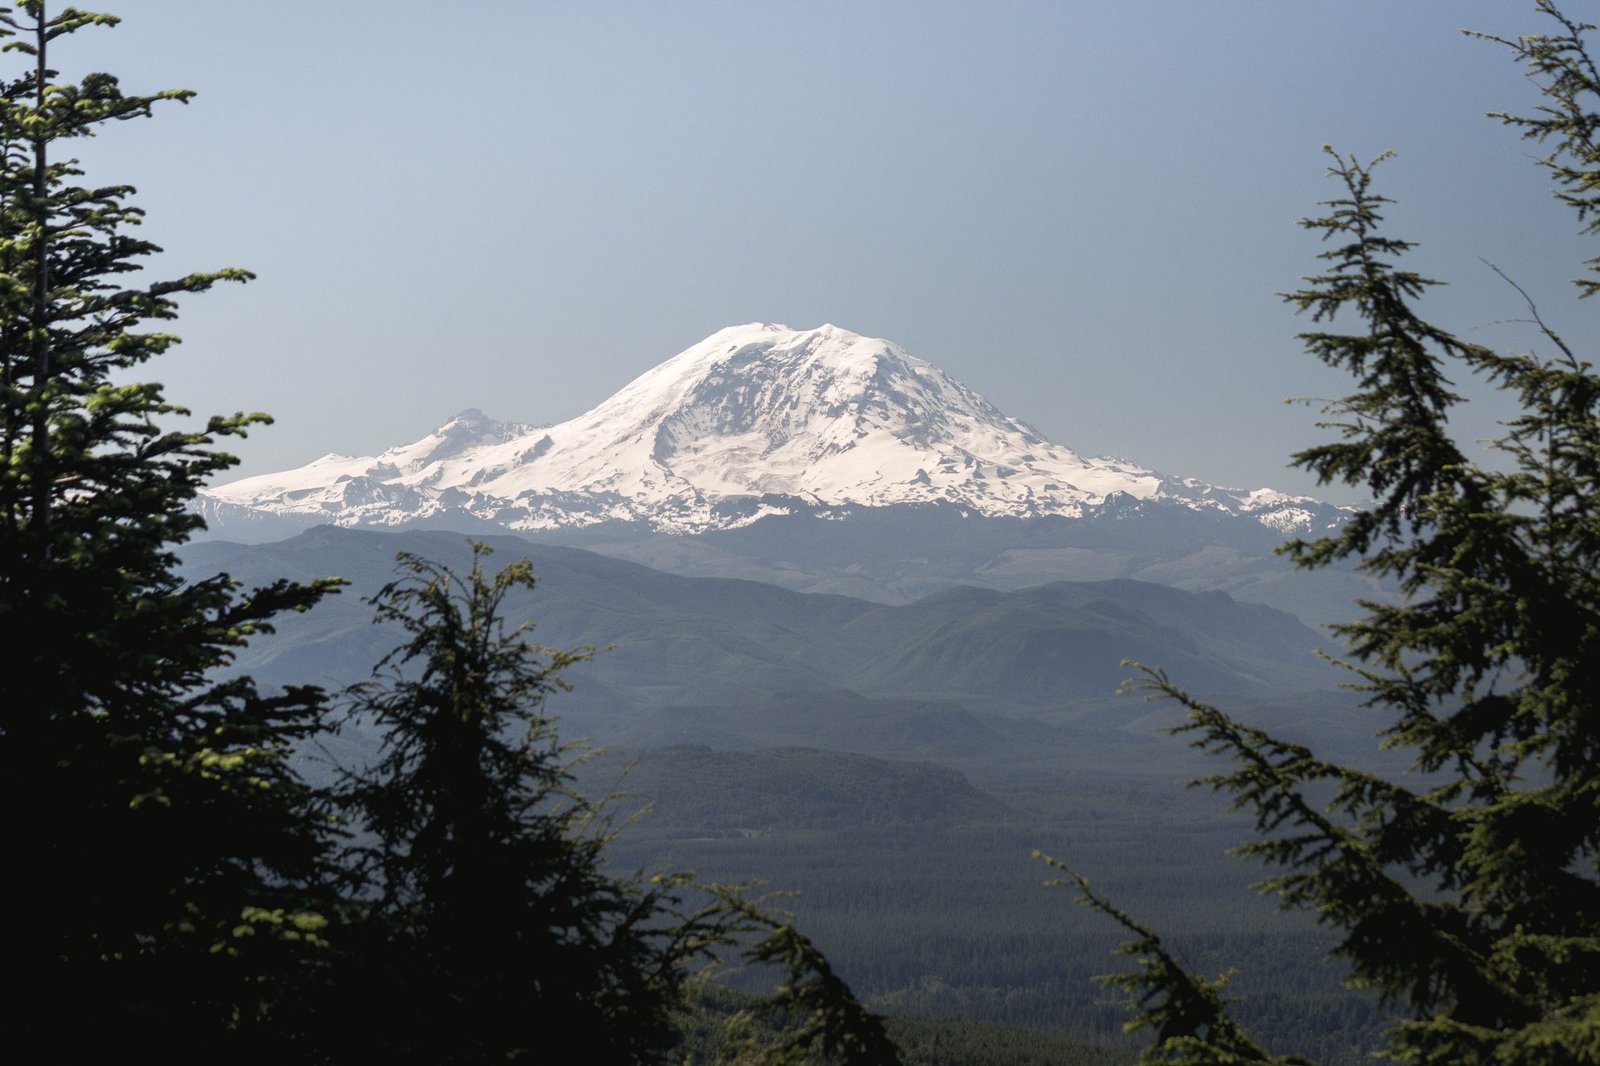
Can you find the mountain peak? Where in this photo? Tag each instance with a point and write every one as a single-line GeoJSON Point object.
{"type": "Point", "coordinates": [755, 419]}
{"type": "Point", "coordinates": [774, 344]}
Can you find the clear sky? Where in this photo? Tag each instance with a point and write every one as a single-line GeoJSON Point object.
{"type": "Point", "coordinates": [1082, 210]}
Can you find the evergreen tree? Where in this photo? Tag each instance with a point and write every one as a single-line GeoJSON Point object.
{"type": "Point", "coordinates": [484, 924]}
{"type": "Point", "coordinates": [486, 928]}
{"type": "Point", "coordinates": [159, 842]}
{"type": "Point", "coordinates": [811, 1016]}
{"type": "Point", "coordinates": [1470, 902]}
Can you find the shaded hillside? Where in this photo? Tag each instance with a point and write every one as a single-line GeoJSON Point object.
{"type": "Point", "coordinates": [710, 641]}
{"type": "Point", "coordinates": [716, 792]}
{"type": "Point", "coordinates": [896, 555]}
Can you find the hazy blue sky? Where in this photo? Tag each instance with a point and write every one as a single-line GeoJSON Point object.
{"type": "Point", "coordinates": [1080, 210]}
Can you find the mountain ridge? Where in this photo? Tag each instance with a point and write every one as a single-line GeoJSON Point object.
{"type": "Point", "coordinates": [755, 420]}
{"type": "Point", "coordinates": [686, 639]}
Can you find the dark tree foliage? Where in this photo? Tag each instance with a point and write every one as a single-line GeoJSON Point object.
{"type": "Point", "coordinates": [171, 881]}
{"type": "Point", "coordinates": [156, 831]}
{"type": "Point", "coordinates": [1470, 902]}
{"type": "Point", "coordinates": [811, 1016]}
{"type": "Point", "coordinates": [486, 927]}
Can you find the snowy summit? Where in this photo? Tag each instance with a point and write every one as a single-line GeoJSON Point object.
{"type": "Point", "coordinates": [754, 420]}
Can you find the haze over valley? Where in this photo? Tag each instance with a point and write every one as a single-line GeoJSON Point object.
{"type": "Point", "coordinates": [842, 608]}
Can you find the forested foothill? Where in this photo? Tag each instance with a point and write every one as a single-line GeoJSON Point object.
{"type": "Point", "coordinates": [252, 825]}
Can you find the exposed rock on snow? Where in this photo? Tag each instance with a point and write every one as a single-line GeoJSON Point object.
{"type": "Point", "coordinates": [754, 420]}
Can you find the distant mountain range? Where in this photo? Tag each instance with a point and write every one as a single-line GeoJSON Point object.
{"type": "Point", "coordinates": [744, 663]}
{"type": "Point", "coordinates": [862, 632]}
{"type": "Point", "coordinates": [754, 421]}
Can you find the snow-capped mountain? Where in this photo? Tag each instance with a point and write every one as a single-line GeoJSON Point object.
{"type": "Point", "coordinates": [754, 420]}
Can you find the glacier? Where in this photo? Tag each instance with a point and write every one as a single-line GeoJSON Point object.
{"type": "Point", "coordinates": [755, 420]}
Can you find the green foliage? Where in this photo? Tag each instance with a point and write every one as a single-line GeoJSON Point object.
{"type": "Point", "coordinates": [485, 927]}
{"type": "Point", "coordinates": [1568, 77]}
{"type": "Point", "coordinates": [171, 875]}
{"type": "Point", "coordinates": [158, 832]}
{"type": "Point", "coordinates": [1188, 1013]}
{"type": "Point", "coordinates": [1469, 901]}
{"type": "Point", "coordinates": [942, 921]}
{"type": "Point", "coordinates": [921, 1042]}
{"type": "Point", "coordinates": [811, 1017]}
{"type": "Point", "coordinates": [951, 1043]}
{"type": "Point", "coordinates": [701, 790]}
